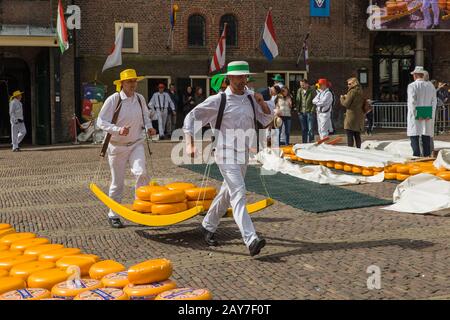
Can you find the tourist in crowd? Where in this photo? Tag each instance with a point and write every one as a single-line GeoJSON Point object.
{"type": "Point", "coordinates": [188, 100]}
{"type": "Point", "coordinates": [306, 110]}
{"type": "Point", "coordinates": [283, 106]}
{"type": "Point", "coordinates": [353, 102]}
{"type": "Point", "coordinates": [199, 96]}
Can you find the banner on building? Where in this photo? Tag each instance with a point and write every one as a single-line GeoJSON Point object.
{"type": "Point", "coordinates": [319, 8]}
{"type": "Point", "coordinates": [93, 99]}
{"type": "Point", "coordinates": [413, 15]}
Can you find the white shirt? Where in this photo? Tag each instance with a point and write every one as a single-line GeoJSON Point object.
{"type": "Point", "coordinates": [161, 102]}
{"type": "Point", "coordinates": [238, 114]}
{"type": "Point", "coordinates": [15, 110]}
{"type": "Point", "coordinates": [130, 115]}
{"type": "Point", "coordinates": [323, 101]}
{"type": "Point", "coordinates": [421, 93]}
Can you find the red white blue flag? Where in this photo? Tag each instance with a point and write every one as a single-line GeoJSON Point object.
{"type": "Point", "coordinates": [218, 61]}
{"type": "Point", "coordinates": [269, 40]}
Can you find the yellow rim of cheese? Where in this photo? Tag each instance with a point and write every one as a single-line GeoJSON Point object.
{"type": "Point", "coordinates": [11, 283]}
{"type": "Point", "coordinates": [38, 250]}
{"type": "Point", "coordinates": [26, 294]}
{"type": "Point", "coordinates": [8, 263]}
{"type": "Point", "coordinates": [144, 193]}
{"type": "Point", "coordinates": [22, 245]}
{"type": "Point", "coordinates": [57, 254]}
{"type": "Point", "coordinates": [185, 294]}
{"type": "Point", "coordinates": [47, 278]}
{"type": "Point", "coordinates": [206, 193]}
{"type": "Point", "coordinates": [142, 206]}
{"type": "Point", "coordinates": [149, 291]}
{"type": "Point", "coordinates": [170, 208]}
{"type": "Point", "coordinates": [171, 196]}
{"type": "Point", "coordinates": [103, 294]}
{"type": "Point", "coordinates": [10, 238]}
{"type": "Point", "coordinates": [26, 269]}
{"type": "Point", "coordinates": [180, 186]}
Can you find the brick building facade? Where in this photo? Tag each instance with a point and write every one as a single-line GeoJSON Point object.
{"type": "Point", "coordinates": [339, 47]}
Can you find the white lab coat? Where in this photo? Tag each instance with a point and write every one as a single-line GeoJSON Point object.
{"type": "Point", "coordinates": [421, 93]}
{"type": "Point", "coordinates": [18, 129]}
{"type": "Point", "coordinates": [324, 104]}
{"type": "Point", "coordinates": [160, 103]}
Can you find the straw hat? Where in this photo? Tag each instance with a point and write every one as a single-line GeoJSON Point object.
{"type": "Point", "coordinates": [278, 78]}
{"type": "Point", "coordinates": [277, 122]}
{"type": "Point", "coordinates": [238, 68]}
{"type": "Point", "coordinates": [16, 94]}
{"type": "Point", "coordinates": [420, 70]}
{"type": "Point", "coordinates": [127, 74]}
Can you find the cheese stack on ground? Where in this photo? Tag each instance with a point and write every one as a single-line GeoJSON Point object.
{"type": "Point", "coordinates": [26, 294]}
{"type": "Point", "coordinates": [201, 197]}
{"type": "Point", "coordinates": [100, 269]}
{"type": "Point", "coordinates": [102, 294]}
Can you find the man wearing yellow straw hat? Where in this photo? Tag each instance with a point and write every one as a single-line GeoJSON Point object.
{"type": "Point", "coordinates": [18, 130]}
{"type": "Point", "coordinates": [126, 144]}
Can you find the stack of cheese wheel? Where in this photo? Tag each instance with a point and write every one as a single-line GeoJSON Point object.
{"type": "Point", "coordinates": [102, 294]}
{"type": "Point", "coordinates": [168, 202]}
{"type": "Point", "coordinates": [200, 197]}
{"type": "Point", "coordinates": [185, 294]}
{"type": "Point", "coordinates": [143, 202]}
{"type": "Point", "coordinates": [148, 279]}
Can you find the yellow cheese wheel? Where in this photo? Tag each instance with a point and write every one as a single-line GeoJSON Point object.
{"type": "Point", "coordinates": [185, 294]}
{"type": "Point", "coordinates": [433, 171]}
{"type": "Point", "coordinates": [144, 193]}
{"type": "Point", "coordinates": [316, 162]}
{"type": "Point", "coordinates": [8, 263]}
{"type": "Point", "coordinates": [38, 250]}
{"type": "Point", "coordinates": [87, 255]}
{"type": "Point", "coordinates": [150, 271]}
{"type": "Point", "coordinates": [390, 176]}
{"type": "Point", "coordinates": [4, 226]}
{"type": "Point", "coordinates": [206, 193]}
{"type": "Point", "coordinates": [3, 273]}
{"type": "Point", "coordinates": [11, 283]}
{"type": "Point", "coordinates": [402, 177]}
{"type": "Point", "coordinates": [415, 170]}
{"type": "Point", "coordinates": [6, 232]}
{"type": "Point", "coordinates": [444, 175]}
{"type": "Point", "coordinates": [26, 269]}
{"type": "Point", "coordinates": [10, 238]}
{"type": "Point", "coordinates": [377, 170]}
{"type": "Point", "coordinates": [170, 208]}
{"type": "Point", "coordinates": [323, 163]}
{"type": "Point", "coordinates": [26, 294]}
{"type": "Point", "coordinates": [205, 204]}
{"type": "Point", "coordinates": [47, 278]}
{"type": "Point", "coordinates": [347, 168]}
{"type": "Point", "coordinates": [142, 206]}
{"type": "Point", "coordinates": [330, 164]}
{"type": "Point", "coordinates": [103, 268]}
{"type": "Point", "coordinates": [356, 169]}
{"type": "Point", "coordinates": [116, 280]}
{"type": "Point", "coordinates": [103, 294]}
{"type": "Point", "coordinates": [180, 186]}
{"type": "Point", "coordinates": [307, 161]}
{"type": "Point", "coordinates": [404, 169]}
{"type": "Point", "coordinates": [3, 247]}
{"type": "Point", "coordinates": [22, 245]}
{"type": "Point", "coordinates": [70, 289]}
{"type": "Point", "coordinates": [339, 166]}
{"type": "Point", "coordinates": [367, 172]}
{"type": "Point", "coordinates": [84, 263]}
{"type": "Point", "coordinates": [148, 291]}
{"type": "Point", "coordinates": [171, 196]}
{"type": "Point", "coordinates": [9, 254]}
{"type": "Point", "coordinates": [57, 254]}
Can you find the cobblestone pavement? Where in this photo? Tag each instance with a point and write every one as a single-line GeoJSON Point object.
{"type": "Point", "coordinates": [308, 256]}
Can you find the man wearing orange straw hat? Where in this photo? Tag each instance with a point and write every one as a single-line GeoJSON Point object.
{"type": "Point", "coordinates": [18, 129]}
{"type": "Point", "coordinates": [126, 144]}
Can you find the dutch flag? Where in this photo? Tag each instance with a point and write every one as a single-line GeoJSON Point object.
{"type": "Point", "coordinates": [269, 40]}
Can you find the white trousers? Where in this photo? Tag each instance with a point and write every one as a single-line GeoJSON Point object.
{"type": "Point", "coordinates": [426, 12]}
{"type": "Point", "coordinates": [232, 193]}
{"type": "Point", "coordinates": [118, 157]}
{"type": "Point", "coordinates": [18, 132]}
{"type": "Point", "coordinates": [162, 121]}
{"type": "Point", "coordinates": [324, 124]}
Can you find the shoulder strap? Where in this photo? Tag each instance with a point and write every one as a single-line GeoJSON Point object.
{"type": "Point", "coordinates": [113, 121]}
{"type": "Point", "coordinates": [223, 101]}
{"type": "Point", "coordinates": [255, 120]}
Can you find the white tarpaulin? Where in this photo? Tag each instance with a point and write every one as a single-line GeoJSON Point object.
{"type": "Point", "coordinates": [422, 193]}
{"type": "Point", "coordinates": [399, 147]}
{"type": "Point", "coordinates": [271, 161]}
{"type": "Point", "coordinates": [443, 160]}
{"type": "Point", "coordinates": [354, 156]}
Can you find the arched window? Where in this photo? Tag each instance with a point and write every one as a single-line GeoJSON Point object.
{"type": "Point", "coordinates": [196, 31]}
{"type": "Point", "coordinates": [232, 29]}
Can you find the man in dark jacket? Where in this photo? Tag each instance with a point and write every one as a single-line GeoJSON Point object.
{"type": "Point", "coordinates": [306, 110]}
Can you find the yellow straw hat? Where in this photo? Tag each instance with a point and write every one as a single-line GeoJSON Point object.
{"type": "Point", "coordinates": [127, 74]}
{"type": "Point", "coordinates": [15, 94]}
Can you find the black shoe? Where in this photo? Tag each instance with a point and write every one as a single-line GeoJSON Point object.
{"type": "Point", "coordinates": [15, 150]}
{"type": "Point", "coordinates": [435, 26]}
{"type": "Point", "coordinates": [209, 238]}
{"type": "Point", "coordinates": [256, 246]}
{"type": "Point", "coordinates": [115, 223]}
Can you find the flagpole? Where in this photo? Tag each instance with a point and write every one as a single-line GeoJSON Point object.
{"type": "Point", "coordinates": [303, 45]}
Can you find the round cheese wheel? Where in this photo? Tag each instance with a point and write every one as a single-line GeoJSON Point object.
{"type": "Point", "coordinates": [10, 238]}
{"type": "Point", "coordinates": [206, 204]}
{"type": "Point", "coordinates": [404, 169]}
{"type": "Point", "coordinates": [347, 168]}
{"type": "Point", "coordinates": [171, 208]}
{"type": "Point", "coordinates": [323, 163]}
{"type": "Point", "coordinates": [87, 255]}
{"type": "Point", "coordinates": [103, 294]}
{"type": "Point", "coordinates": [444, 175]}
{"type": "Point", "coordinates": [330, 164]}
{"type": "Point", "coordinates": [47, 278]}
{"type": "Point", "coordinates": [3, 273]}
{"type": "Point", "coordinates": [402, 177]}
{"type": "Point", "coordinates": [390, 176]}
{"type": "Point", "coordinates": [26, 269]}
{"type": "Point", "coordinates": [307, 161]}
{"type": "Point", "coordinates": [171, 196]}
{"type": "Point", "coordinates": [9, 254]}
{"type": "Point", "coordinates": [356, 169]}
{"type": "Point", "coordinates": [26, 294]}
{"type": "Point", "coordinates": [316, 162]}
{"type": "Point", "coordinates": [339, 166]}
{"type": "Point", "coordinates": [103, 268]}
{"type": "Point", "coordinates": [432, 171]}
{"type": "Point", "coordinates": [116, 280]}
{"type": "Point", "coordinates": [144, 193]}
{"type": "Point", "coordinates": [4, 226]}
{"type": "Point", "coordinates": [6, 232]}
{"type": "Point", "coordinates": [377, 170]}
{"type": "Point", "coordinates": [84, 263]}
{"type": "Point", "coordinates": [148, 291]}
{"type": "Point", "coordinates": [180, 186]}
{"type": "Point", "coordinates": [206, 193]}
{"type": "Point", "coordinates": [11, 283]}
{"type": "Point", "coordinates": [57, 254]}
{"type": "Point", "coordinates": [38, 250]}
{"type": "Point", "coordinates": [142, 206]}
{"type": "Point", "coordinates": [8, 263]}
{"type": "Point", "coordinates": [3, 247]}
{"type": "Point", "coordinates": [150, 271]}
{"type": "Point", "coordinates": [415, 170]}
{"type": "Point", "coordinates": [367, 172]}
{"type": "Point", "coordinates": [70, 289]}
{"type": "Point", "coordinates": [22, 245]}
{"type": "Point", "coordinates": [185, 294]}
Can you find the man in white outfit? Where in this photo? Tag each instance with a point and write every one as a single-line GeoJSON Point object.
{"type": "Point", "coordinates": [161, 102]}
{"type": "Point", "coordinates": [241, 106]}
{"type": "Point", "coordinates": [421, 93]}
{"type": "Point", "coordinates": [324, 105]}
{"type": "Point", "coordinates": [18, 130]}
{"type": "Point", "coordinates": [429, 24]}
{"type": "Point", "coordinates": [127, 142]}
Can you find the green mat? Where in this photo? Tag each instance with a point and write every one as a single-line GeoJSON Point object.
{"type": "Point", "coordinates": [299, 193]}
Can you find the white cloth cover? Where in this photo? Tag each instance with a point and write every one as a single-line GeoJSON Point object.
{"type": "Point", "coordinates": [399, 147]}
{"type": "Point", "coordinates": [443, 160]}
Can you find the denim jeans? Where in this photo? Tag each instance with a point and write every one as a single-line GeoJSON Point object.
{"type": "Point", "coordinates": [307, 122]}
{"type": "Point", "coordinates": [287, 130]}
{"type": "Point", "coordinates": [426, 144]}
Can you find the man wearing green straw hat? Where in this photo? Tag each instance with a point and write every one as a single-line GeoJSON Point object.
{"type": "Point", "coordinates": [240, 108]}
{"type": "Point", "coordinates": [18, 129]}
